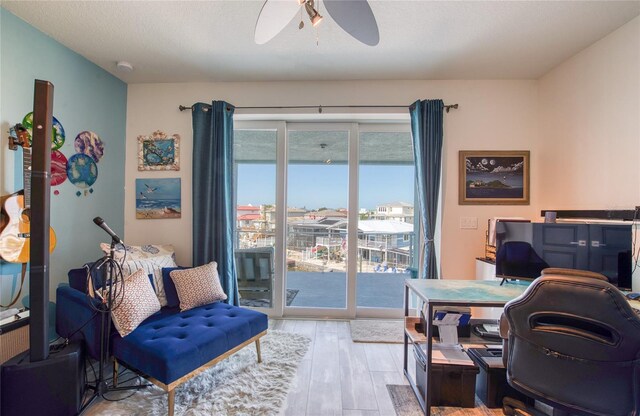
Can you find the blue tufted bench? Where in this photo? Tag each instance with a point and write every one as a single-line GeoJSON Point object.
{"type": "Point", "coordinates": [168, 348]}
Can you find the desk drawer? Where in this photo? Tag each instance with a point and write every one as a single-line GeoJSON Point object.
{"type": "Point", "coordinates": [452, 385]}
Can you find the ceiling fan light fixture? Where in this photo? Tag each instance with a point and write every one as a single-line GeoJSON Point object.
{"type": "Point", "coordinates": [314, 16]}
{"type": "Point", "coordinates": [353, 16]}
{"type": "Point", "coordinates": [316, 19]}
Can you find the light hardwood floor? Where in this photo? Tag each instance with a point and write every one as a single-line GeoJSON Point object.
{"type": "Point", "coordinates": [340, 377]}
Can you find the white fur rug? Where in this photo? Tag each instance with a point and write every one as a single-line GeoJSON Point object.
{"type": "Point", "coordinates": [236, 386]}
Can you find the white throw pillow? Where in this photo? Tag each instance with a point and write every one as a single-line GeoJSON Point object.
{"type": "Point", "coordinates": [138, 302]}
{"type": "Point", "coordinates": [198, 286]}
{"type": "Point", "coordinates": [138, 252]}
{"type": "Point", "coordinates": [151, 265]}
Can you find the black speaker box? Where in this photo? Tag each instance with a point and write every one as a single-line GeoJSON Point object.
{"type": "Point", "coordinates": [52, 387]}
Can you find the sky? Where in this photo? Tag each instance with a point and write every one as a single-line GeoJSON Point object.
{"type": "Point", "coordinates": [316, 186]}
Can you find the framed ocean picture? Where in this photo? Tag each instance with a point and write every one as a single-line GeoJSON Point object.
{"type": "Point", "coordinates": [158, 198]}
{"type": "Point", "coordinates": [159, 152]}
{"type": "Point", "coordinates": [493, 177]}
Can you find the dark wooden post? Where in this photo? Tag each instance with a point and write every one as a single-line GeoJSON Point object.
{"type": "Point", "coordinates": [40, 206]}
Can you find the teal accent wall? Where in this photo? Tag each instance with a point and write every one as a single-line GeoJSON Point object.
{"type": "Point", "coordinates": [86, 97]}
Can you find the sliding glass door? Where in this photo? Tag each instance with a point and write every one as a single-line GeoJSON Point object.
{"type": "Point", "coordinates": [386, 235]}
{"type": "Point", "coordinates": [317, 217]}
{"type": "Point", "coordinates": [324, 217]}
{"type": "Point", "coordinates": [255, 165]}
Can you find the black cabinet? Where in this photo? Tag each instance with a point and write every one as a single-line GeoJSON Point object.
{"type": "Point", "coordinates": [600, 247]}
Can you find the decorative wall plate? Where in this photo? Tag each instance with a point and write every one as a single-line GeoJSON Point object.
{"type": "Point", "coordinates": [90, 144]}
{"type": "Point", "coordinates": [82, 170]}
{"type": "Point", "coordinates": [58, 168]}
{"type": "Point", "coordinates": [57, 131]}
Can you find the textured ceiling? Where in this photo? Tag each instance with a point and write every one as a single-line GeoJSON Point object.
{"type": "Point", "coordinates": [187, 41]}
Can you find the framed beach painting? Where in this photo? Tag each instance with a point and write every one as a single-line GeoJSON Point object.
{"type": "Point", "coordinates": [158, 198]}
{"type": "Point", "coordinates": [159, 152]}
{"type": "Point", "coordinates": [493, 177]}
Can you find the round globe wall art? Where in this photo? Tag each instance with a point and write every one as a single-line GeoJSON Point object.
{"type": "Point", "coordinates": [58, 168]}
{"type": "Point", "coordinates": [57, 131]}
{"type": "Point", "coordinates": [82, 170]}
{"type": "Point", "coordinates": [90, 144]}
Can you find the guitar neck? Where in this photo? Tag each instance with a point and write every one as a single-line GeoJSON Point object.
{"type": "Point", "coordinates": [26, 175]}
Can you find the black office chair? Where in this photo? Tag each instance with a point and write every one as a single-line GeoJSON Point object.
{"type": "Point", "coordinates": [573, 344]}
{"type": "Point", "coordinates": [518, 259]}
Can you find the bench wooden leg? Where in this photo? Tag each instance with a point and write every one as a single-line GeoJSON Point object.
{"type": "Point", "coordinates": [115, 373]}
{"type": "Point", "coordinates": [172, 401]}
{"type": "Point", "coordinates": [258, 351]}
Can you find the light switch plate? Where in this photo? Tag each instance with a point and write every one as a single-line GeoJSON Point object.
{"type": "Point", "coordinates": [469, 223]}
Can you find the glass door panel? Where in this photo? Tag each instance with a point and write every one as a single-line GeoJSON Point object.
{"type": "Point", "coordinates": [255, 166]}
{"type": "Point", "coordinates": [386, 237]}
{"type": "Point", "coordinates": [316, 219]}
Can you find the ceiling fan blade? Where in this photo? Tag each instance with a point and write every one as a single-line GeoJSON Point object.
{"type": "Point", "coordinates": [356, 18]}
{"type": "Point", "coordinates": [274, 16]}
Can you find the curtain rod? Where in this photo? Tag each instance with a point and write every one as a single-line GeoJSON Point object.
{"type": "Point", "coordinates": [320, 107]}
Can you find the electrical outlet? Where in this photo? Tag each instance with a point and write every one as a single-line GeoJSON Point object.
{"type": "Point", "coordinates": [469, 223]}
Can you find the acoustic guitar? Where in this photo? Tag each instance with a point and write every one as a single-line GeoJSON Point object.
{"type": "Point", "coordinates": [15, 222]}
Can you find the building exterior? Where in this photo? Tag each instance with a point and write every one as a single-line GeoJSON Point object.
{"type": "Point", "coordinates": [255, 225]}
{"type": "Point", "coordinates": [399, 211]}
{"type": "Point", "coordinates": [387, 240]}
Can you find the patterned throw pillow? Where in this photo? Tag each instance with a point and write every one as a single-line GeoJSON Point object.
{"type": "Point", "coordinates": [139, 302]}
{"type": "Point", "coordinates": [138, 252]}
{"type": "Point", "coordinates": [152, 265]}
{"type": "Point", "coordinates": [198, 286]}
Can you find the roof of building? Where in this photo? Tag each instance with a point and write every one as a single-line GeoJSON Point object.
{"type": "Point", "coordinates": [248, 217]}
{"type": "Point", "coordinates": [396, 204]}
{"type": "Point", "coordinates": [328, 213]}
{"type": "Point", "coordinates": [247, 208]}
{"type": "Point", "coordinates": [384, 227]}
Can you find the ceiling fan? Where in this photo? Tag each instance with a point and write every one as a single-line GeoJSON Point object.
{"type": "Point", "coordinates": [354, 16]}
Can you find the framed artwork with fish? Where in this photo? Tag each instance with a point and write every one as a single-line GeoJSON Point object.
{"type": "Point", "coordinates": [159, 151]}
{"type": "Point", "coordinates": [493, 177]}
{"type": "Point", "coordinates": [158, 198]}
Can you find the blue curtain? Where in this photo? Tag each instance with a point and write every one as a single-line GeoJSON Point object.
{"type": "Point", "coordinates": [213, 198]}
{"type": "Point", "coordinates": [426, 129]}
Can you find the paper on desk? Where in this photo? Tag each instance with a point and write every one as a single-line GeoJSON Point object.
{"type": "Point", "coordinates": [491, 327]}
{"type": "Point", "coordinates": [448, 334]}
{"type": "Point", "coordinates": [449, 354]}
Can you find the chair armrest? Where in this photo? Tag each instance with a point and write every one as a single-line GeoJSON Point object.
{"type": "Point", "coordinates": [76, 320]}
{"type": "Point", "coordinates": [504, 334]}
{"type": "Point", "coordinates": [504, 326]}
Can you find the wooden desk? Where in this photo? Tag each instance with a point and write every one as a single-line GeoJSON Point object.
{"type": "Point", "coordinates": [437, 293]}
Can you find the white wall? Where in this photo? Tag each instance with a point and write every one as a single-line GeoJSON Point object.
{"type": "Point", "coordinates": [581, 122]}
{"type": "Point", "coordinates": [493, 115]}
{"type": "Point", "coordinates": [590, 127]}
